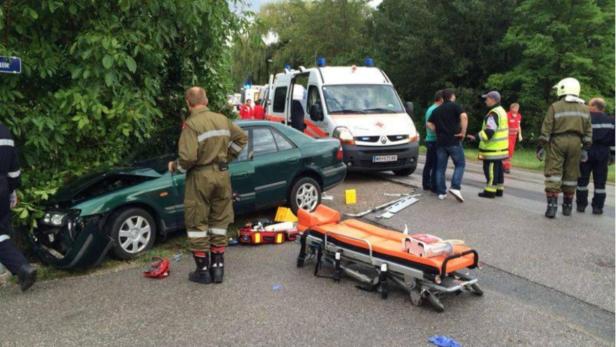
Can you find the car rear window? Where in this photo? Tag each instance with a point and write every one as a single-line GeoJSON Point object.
{"type": "Point", "coordinates": [282, 142]}
{"type": "Point", "coordinates": [263, 141]}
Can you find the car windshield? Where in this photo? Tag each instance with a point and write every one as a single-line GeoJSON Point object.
{"type": "Point", "coordinates": [361, 99]}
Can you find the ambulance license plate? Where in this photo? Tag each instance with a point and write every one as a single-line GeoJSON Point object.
{"type": "Point", "coordinates": [384, 158]}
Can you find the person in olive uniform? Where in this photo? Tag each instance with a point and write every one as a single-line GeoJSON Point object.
{"type": "Point", "coordinates": [566, 129]}
{"type": "Point", "coordinates": [600, 155]}
{"type": "Point", "coordinates": [209, 141]}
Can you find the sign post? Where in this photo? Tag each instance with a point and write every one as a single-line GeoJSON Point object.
{"type": "Point", "coordinates": [10, 65]}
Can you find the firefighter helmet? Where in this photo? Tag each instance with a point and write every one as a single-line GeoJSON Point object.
{"type": "Point", "coordinates": [567, 86]}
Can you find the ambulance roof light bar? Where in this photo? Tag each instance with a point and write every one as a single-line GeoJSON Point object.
{"type": "Point", "coordinates": [321, 62]}
{"type": "Point", "coordinates": [369, 62]}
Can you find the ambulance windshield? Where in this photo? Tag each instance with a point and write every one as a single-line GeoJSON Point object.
{"type": "Point", "coordinates": [361, 99]}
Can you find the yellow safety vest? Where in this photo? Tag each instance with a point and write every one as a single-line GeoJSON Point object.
{"type": "Point", "coordinates": [496, 147]}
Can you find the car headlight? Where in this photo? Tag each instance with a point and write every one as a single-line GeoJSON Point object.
{"type": "Point", "coordinates": [344, 135]}
{"type": "Point", "coordinates": [54, 218]}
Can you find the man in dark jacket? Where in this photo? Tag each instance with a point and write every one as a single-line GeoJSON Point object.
{"type": "Point", "coordinates": [600, 155]}
{"type": "Point", "coordinates": [10, 256]}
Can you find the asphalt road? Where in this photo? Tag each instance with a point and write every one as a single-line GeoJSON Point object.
{"type": "Point", "coordinates": [546, 282]}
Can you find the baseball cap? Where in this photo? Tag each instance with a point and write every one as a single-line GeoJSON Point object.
{"type": "Point", "coordinates": [493, 95]}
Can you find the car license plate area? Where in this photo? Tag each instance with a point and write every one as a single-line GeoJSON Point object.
{"type": "Point", "coordinates": [384, 158]}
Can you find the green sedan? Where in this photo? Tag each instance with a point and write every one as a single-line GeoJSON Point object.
{"type": "Point", "coordinates": [124, 210]}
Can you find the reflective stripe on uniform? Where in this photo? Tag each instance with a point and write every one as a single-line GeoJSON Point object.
{"type": "Point", "coordinates": [4, 238]}
{"type": "Point", "coordinates": [197, 234]}
{"type": "Point", "coordinates": [603, 126]}
{"type": "Point", "coordinates": [554, 178]}
{"type": "Point", "coordinates": [218, 231]}
{"type": "Point", "coordinates": [14, 174]}
{"type": "Point", "coordinates": [599, 191]}
{"type": "Point", "coordinates": [213, 133]}
{"type": "Point", "coordinates": [234, 146]}
{"type": "Point", "coordinates": [582, 189]}
{"type": "Point", "coordinates": [570, 114]}
{"type": "Point", "coordinates": [7, 142]}
{"type": "Point", "coordinates": [570, 183]}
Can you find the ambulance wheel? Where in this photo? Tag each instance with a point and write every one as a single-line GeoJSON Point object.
{"type": "Point", "coordinates": [416, 299]}
{"type": "Point", "coordinates": [305, 194]}
{"type": "Point", "coordinates": [435, 302]}
{"type": "Point", "coordinates": [133, 231]}
{"type": "Point", "coordinates": [476, 290]}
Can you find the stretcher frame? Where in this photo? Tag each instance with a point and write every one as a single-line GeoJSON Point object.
{"type": "Point", "coordinates": [417, 283]}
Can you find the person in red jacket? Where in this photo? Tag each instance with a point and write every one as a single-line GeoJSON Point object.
{"type": "Point", "coordinates": [246, 110]}
{"type": "Point", "coordinates": [515, 133]}
{"type": "Point", "coordinates": [258, 112]}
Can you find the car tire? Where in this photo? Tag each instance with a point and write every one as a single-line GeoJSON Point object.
{"type": "Point", "coordinates": [133, 231]}
{"type": "Point", "coordinates": [305, 193]}
{"type": "Point", "coordinates": [404, 172]}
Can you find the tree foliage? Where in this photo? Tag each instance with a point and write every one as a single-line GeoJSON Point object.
{"type": "Point", "coordinates": [426, 45]}
{"type": "Point", "coordinates": [101, 77]}
{"type": "Point", "coordinates": [334, 29]}
{"type": "Point", "coordinates": [558, 39]}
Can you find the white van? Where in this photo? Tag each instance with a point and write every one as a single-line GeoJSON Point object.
{"type": "Point", "coordinates": [356, 104]}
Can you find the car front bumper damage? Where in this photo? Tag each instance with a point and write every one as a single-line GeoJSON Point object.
{"type": "Point", "coordinates": [81, 242]}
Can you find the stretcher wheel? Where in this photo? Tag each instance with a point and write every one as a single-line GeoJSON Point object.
{"type": "Point", "coordinates": [475, 289]}
{"type": "Point", "coordinates": [416, 299]}
{"type": "Point", "coordinates": [435, 302]}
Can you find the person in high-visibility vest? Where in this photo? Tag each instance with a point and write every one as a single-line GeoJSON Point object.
{"type": "Point", "coordinates": [493, 145]}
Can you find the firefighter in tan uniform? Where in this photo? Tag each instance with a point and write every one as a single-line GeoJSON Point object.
{"type": "Point", "coordinates": [209, 141]}
{"type": "Point", "coordinates": [566, 134]}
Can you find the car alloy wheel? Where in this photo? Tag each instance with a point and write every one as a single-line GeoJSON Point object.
{"type": "Point", "coordinates": [134, 234]}
{"type": "Point", "coordinates": [307, 197]}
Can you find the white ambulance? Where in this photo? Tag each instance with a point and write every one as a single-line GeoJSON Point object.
{"type": "Point", "coordinates": [356, 104]}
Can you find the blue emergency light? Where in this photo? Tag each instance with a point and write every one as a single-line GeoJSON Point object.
{"type": "Point", "coordinates": [369, 62]}
{"type": "Point", "coordinates": [321, 62]}
{"type": "Point", "coordinates": [287, 66]}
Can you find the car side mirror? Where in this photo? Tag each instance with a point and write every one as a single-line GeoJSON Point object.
{"type": "Point", "coordinates": [410, 109]}
{"type": "Point", "coordinates": [316, 112]}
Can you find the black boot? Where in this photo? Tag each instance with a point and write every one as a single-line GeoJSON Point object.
{"type": "Point", "coordinates": [202, 272]}
{"type": "Point", "coordinates": [486, 194]}
{"type": "Point", "coordinates": [552, 207]}
{"type": "Point", "coordinates": [567, 205]}
{"type": "Point", "coordinates": [218, 267]}
{"type": "Point", "coordinates": [581, 200]}
{"type": "Point", "coordinates": [499, 193]}
{"type": "Point", "coordinates": [26, 276]}
{"type": "Point", "coordinates": [597, 210]}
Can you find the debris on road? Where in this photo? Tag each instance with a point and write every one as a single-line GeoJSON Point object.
{"type": "Point", "coordinates": [277, 287]}
{"type": "Point", "coordinates": [444, 341]}
{"type": "Point", "coordinates": [374, 209]}
{"type": "Point", "coordinates": [158, 269]}
{"type": "Point", "coordinates": [399, 206]}
{"type": "Point", "coordinates": [327, 197]}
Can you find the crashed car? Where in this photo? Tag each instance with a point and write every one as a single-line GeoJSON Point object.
{"type": "Point", "coordinates": [124, 210]}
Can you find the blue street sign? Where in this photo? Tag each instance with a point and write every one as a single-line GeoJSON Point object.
{"type": "Point", "coordinates": [10, 65]}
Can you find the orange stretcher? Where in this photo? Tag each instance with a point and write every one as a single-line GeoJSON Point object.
{"type": "Point", "coordinates": [375, 256]}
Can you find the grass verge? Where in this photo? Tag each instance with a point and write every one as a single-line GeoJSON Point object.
{"type": "Point", "coordinates": [523, 158]}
